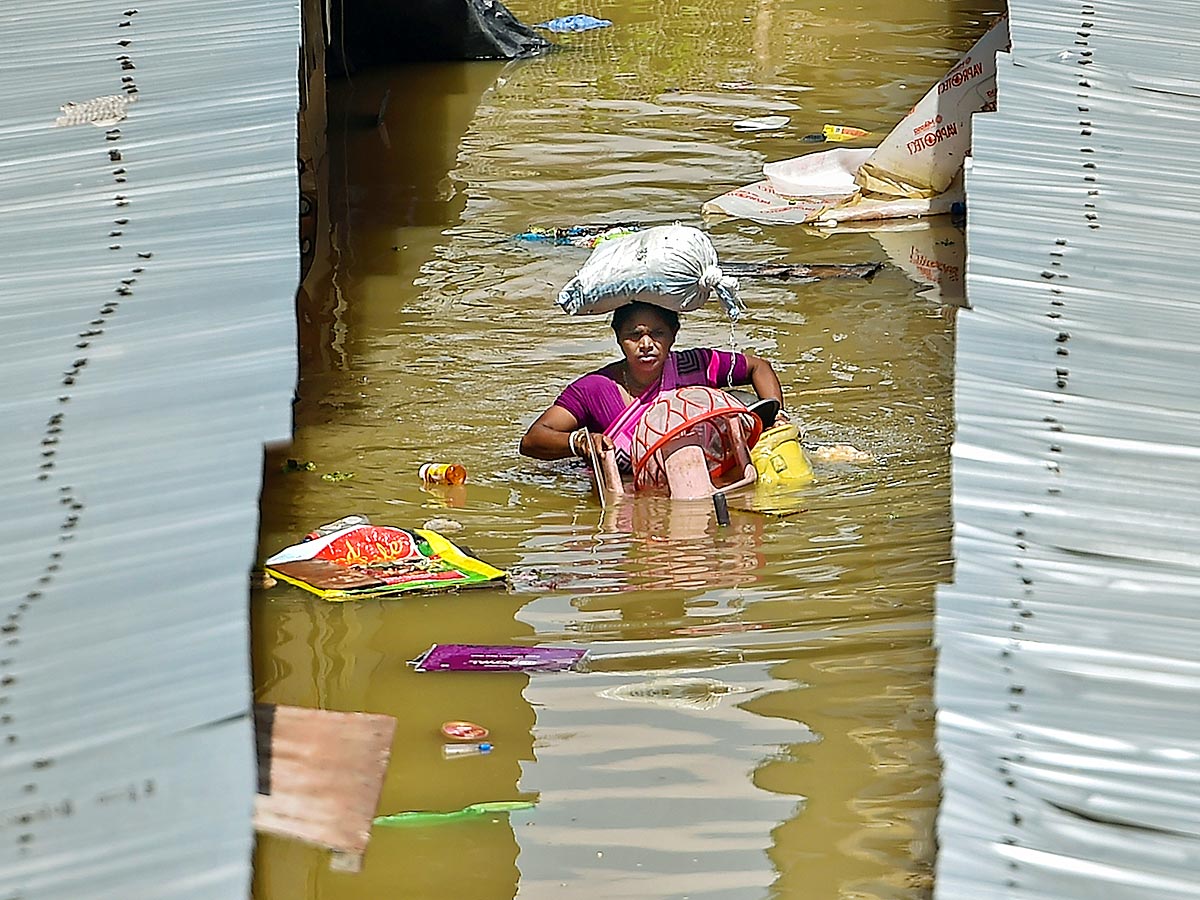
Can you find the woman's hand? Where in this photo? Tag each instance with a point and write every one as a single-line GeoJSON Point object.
{"type": "Point", "coordinates": [601, 443]}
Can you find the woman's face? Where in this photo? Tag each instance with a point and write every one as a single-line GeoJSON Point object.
{"type": "Point", "coordinates": [645, 338]}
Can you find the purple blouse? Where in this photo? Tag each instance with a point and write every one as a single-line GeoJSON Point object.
{"type": "Point", "coordinates": [595, 399]}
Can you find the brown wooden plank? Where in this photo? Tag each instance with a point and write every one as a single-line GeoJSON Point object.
{"type": "Point", "coordinates": [324, 775]}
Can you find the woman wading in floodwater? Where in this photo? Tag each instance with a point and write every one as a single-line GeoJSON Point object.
{"type": "Point", "coordinates": [610, 401]}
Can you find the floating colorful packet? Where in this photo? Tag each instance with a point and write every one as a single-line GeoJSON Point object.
{"type": "Point", "coordinates": [843, 133]}
{"type": "Point", "coordinates": [491, 658]}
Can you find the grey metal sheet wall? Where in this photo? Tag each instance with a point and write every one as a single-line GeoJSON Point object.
{"type": "Point", "coordinates": [147, 350]}
{"type": "Point", "coordinates": [1069, 644]}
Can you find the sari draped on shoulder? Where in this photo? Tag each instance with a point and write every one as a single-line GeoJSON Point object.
{"type": "Point", "coordinates": [713, 368]}
{"type": "Point", "coordinates": [623, 426]}
{"type": "Point", "coordinates": [597, 402]}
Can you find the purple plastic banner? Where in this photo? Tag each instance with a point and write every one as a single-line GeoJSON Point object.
{"type": "Point", "coordinates": [492, 658]}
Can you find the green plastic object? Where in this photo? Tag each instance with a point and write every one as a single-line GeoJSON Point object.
{"type": "Point", "coordinates": [433, 818]}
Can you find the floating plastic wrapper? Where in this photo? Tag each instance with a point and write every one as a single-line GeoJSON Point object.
{"type": "Point", "coordinates": [423, 817]}
{"type": "Point", "coordinates": [496, 658]}
{"type": "Point", "coordinates": [375, 560]}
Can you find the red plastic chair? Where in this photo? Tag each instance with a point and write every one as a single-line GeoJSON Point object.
{"type": "Point", "coordinates": [695, 441]}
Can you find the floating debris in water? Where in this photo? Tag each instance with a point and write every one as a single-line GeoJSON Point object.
{"type": "Point", "coordinates": [535, 580]}
{"type": "Point", "coordinates": [297, 465]}
{"type": "Point", "coordinates": [443, 525]}
{"type": "Point", "coordinates": [497, 658]}
{"type": "Point", "coordinates": [337, 476]}
{"type": "Point", "coordinates": [261, 580]}
{"type": "Point", "coordinates": [801, 272]}
{"type": "Point", "coordinates": [838, 133]}
{"type": "Point", "coordinates": [463, 731]}
{"type": "Point", "coordinates": [681, 693]}
{"type": "Point", "coordinates": [835, 453]}
{"type": "Point", "coordinates": [577, 22]}
{"type": "Point", "coordinates": [587, 236]}
{"type": "Point", "coordinates": [423, 817]}
{"type": "Point", "coordinates": [766, 123]}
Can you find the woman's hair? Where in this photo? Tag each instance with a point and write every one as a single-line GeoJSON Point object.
{"type": "Point", "coordinates": [622, 314]}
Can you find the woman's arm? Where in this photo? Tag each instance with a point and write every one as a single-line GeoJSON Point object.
{"type": "Point", "coordinates": [760, 374]}
{"type": "Point", "coordinates": [551, 436]}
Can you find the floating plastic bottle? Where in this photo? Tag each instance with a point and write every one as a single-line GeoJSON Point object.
{"type": "Point", "coordinates": [454, 751]}
{"type": "Point", "coordinates": [442, 473]}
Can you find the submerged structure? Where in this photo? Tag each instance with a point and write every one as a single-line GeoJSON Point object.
{"type": "Point", "coordinates": [366, 33]}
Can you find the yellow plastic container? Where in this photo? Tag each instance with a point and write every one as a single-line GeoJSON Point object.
{"type": "Point", "coordinates": [780, 460]}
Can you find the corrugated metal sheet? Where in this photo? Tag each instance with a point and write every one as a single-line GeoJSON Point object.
{"type": "Point", "coordinates": [148, 337]}
{"type": "Point", "coordinates": [1069, 666]}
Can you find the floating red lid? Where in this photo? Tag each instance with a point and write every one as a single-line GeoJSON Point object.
{"type": "Point", "coordinates": [464, 731]}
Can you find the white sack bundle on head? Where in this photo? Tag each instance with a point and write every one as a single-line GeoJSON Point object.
{"type": "Point", "coordinates": [673, 266]}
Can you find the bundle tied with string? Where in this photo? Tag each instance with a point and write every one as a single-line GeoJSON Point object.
{"type": "Point", "coordinates": [672, 266]}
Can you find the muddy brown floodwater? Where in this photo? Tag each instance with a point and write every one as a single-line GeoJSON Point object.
{"type": "Point", "coordinates": [756, 720]}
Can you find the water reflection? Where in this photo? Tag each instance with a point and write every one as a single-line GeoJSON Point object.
{"type": "Point", "coordinates": [652, 799]}
{"type": "Point", "coordinates": [679, 544]}
{"type": "Point", "coordinates": [932, 252]}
